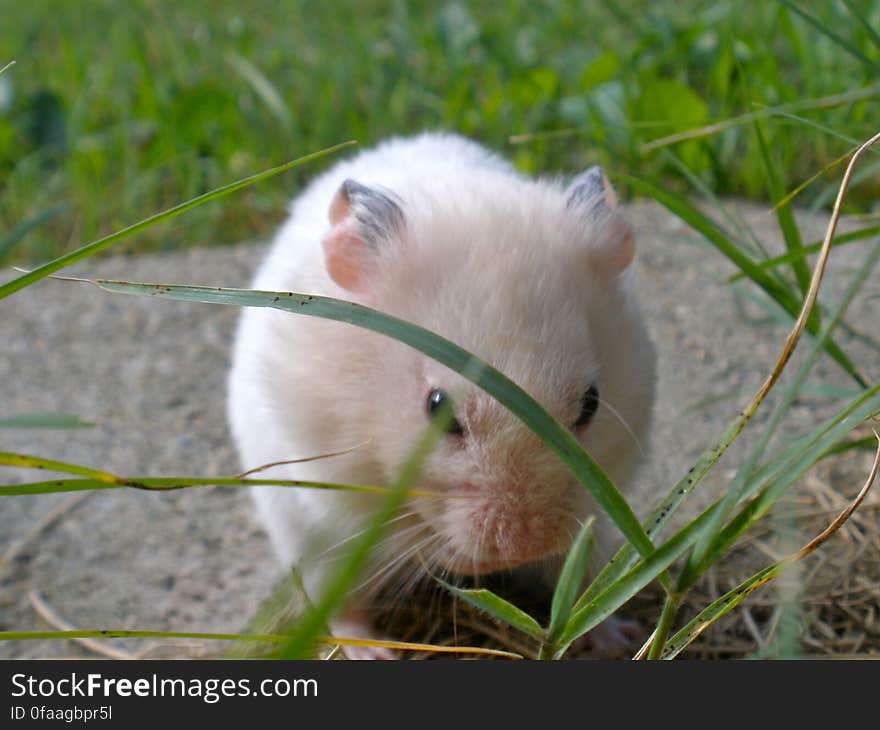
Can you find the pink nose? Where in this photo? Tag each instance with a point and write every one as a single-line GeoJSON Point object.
{"type": "Point", "coordinates": [512, 534]}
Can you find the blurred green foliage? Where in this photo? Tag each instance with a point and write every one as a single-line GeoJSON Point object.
{"type": "Point", "coordinates": [117, 109]}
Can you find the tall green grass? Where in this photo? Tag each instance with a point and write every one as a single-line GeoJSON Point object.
{"type": "Point", "coordinates": [162, 100]}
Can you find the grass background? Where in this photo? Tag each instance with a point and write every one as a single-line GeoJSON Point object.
{"type": "Point", "coordinates": [117, 109]}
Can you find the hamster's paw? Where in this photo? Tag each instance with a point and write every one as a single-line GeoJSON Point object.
{"type": "Point", "coordinates": [614, 637]}
{"type": "Point", "coordinates": [355, 624]}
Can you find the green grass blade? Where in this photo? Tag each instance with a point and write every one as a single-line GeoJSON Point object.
{"type": "Point", "coordinates": [701, 223]}
{"type": "Point", "coordinates": [778, 480]}
{"type": "Point", "coordinates": [589, 615]}
{"type": "Point", "coordinates": [55, 486]}
{"type": "Point", "coordinates": [301, 642]}
{"type": "Point", "coordinates": [715, 610]}
{"type": "Point", "coordinates": [95, 479]}
{"type": "Point", "coordinates": [831, 132]}
{"type": "Point", "coordinates": [166, 484]}
{"type": "Point", "coordinates": [860, 444]}
{"type": "Point", "coordinates": [811, 248]}
{"type": "Point", "coordinates": [8, 242]}
{"type": "Point", "coordinates": [774, 478]}
{"type": "Point", "coordinates": [708, 130]}
{"type": "Point", "coordinates": [823, 440]}
{"type": "Point", "coordinates": [266, 91]}
{"type": "Point", "coordinates": [738, 487]}
{"type": "Point", "coordinates": [826, 31]}
{"type": "Point", "coordinates": [787, 467]}
{"type": "Point", "coordinates": [773, 314]}
{"type": "Point", "coordinates": [865, 175]}
{"type": "Point", "coordinates": [804, 184]}
{"type": "Point", "coordinates": [784, 215]}
{"type": "Point", "coordinates": [860, 335]}
{"type": "Point", "coordinates": [626, 557]}
{"type": "Point", "coordinates": [287, 598]}
{"type": "Point", "coordinates": [570, 580]}
{"type": "Point", "coordinates": [872, 33]}
{"type": "Point", "coordinates": [559, 438]}
{"type": "Point", "coordinates": [614, 592]}
{"type": "Point", "coordinates": [92, 248]}
{"type": "Point", "coordinates": [731, 599]}
{"type": "Point", "coordinates": [746, 235]}
{"type": "Point", "coordinates": [26, 461]}
{"type": "Point", "coordinates": [45, 420]}
{"type": "Point", "coordinates": [497, 607]}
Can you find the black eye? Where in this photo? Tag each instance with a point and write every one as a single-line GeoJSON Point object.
{"type": "Point", "coordinates": [589, 405]}
{"type": "Point", "coordinates": [437, 399]}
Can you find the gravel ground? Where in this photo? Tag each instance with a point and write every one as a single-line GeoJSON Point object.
{"type": "Point", "coordinates": [152, 374]}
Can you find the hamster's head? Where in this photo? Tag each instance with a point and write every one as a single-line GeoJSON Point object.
{"type": "Point", "coordinates": [535, 279]}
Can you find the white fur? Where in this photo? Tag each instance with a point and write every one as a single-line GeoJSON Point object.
{"type": "Point", "coordinates": [495, 262]}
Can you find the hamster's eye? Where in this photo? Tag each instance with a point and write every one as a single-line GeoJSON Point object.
{"type": "Point", "coordinates": [438, 399]}
{"type": "Point", "coordinates": [589, 405]}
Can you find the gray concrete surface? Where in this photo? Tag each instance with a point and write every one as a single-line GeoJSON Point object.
{"type": "Point", "coordinates": [152, 374]}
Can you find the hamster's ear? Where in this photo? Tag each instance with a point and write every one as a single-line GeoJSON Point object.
{"type": "Point", "coordinates": [362, 220]}
{"type": "Point", "coordinates": [591, 197]}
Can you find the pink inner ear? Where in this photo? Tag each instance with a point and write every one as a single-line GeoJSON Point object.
{"type": "Point", "coordinates": [340, 207]}
{"type": "Point", "coordinates": [620, 248]}
{"type": "Point", "coordinates": [347, 255]}
{"type": "Point", "coordinates": [610, 194]}
{"type": "Point", "coordinates": [616, 253]}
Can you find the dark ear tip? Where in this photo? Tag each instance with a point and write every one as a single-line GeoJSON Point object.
{"type": "Point", "coordinates": [587, 188]}
{"type": "Point", "coordinates": [375, 210]}
{"type": "Point", "coordinates": [592, 174]}
{"type": "Point", "coordinates": [591, 178]}
{"type": "Point", "coordinates": [351, 188]}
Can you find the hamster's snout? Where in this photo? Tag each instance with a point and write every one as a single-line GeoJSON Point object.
{"type": "Point", "coordinates": [494, 533]}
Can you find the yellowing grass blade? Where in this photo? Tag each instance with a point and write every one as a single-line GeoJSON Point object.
{"type": "Point", "coordinates": [732, 599]}
{"type": "Point", "coordinates": [264, 638]}
{"type": "Point", "coordinates": [95, 479]}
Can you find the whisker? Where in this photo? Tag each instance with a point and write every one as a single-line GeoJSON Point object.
{"type": "Point", "coordinates": [629, 430]}
{"type": "Point", "coordinates": [407, 581]}
{"type": "Point", "coordinates": [388, 543]}
{"type": "Point", "coordinates": [395, 562]}
{"type": "Point", "coordinates": [359, 533]}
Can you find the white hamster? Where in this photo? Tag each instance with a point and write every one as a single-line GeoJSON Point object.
{"type": "Point", "coordinates": [533, 276]}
